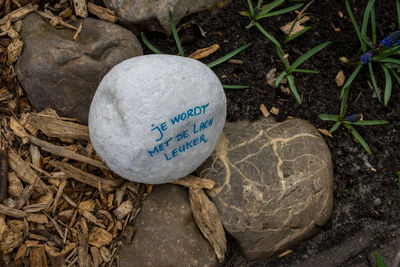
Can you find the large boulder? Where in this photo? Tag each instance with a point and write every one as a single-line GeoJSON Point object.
{"type": "Point", "coordinates": [153, 14]}
{"type": "Point", "coordinates": [273, 184]}
{"type": "Point", "coordinates": [57, 72]}
{"type": "Point", "coordinates": [166, 233]}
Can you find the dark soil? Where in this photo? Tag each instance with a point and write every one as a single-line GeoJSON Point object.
{"type": "Point", "coordinates": [365, 200]}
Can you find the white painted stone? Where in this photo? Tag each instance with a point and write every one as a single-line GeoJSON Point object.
{"type": "Point", "coordinates": [133, 117]}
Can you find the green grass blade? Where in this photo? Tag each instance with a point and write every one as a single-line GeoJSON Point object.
{"type": "Point", "coordinates": [175, 34]}
{"type": "Point", "coordinates": [350, 79]}
{"type": "Point", "coordinates": [343, 104]}
{"type": "Point", "coordinates": [387, 52]}
{"type": "Point", "coordinates": [358, 137]}
{"type": "Point", "coordinates": [398, 12]}
{"type": "Point", "coordinates": [306, 71]}
{"type": "Point", "coordinates": [328, 117]}
{"type": "Point", "coordinates": [149, 45]}
{"type": "Point", "coordinates": [379, 260]}
{"type": "Point", "coordinates": [374, 84]}
{"type": "Point", "coordinates": [259, 3]}
{"type": "Point", "coordinates": [356, 28]}
{"type": "Point", "coordinates": [245, 13]}
{"type": "Point", "coordinates": [251, 8]}
{"type": "Point", "coordinates": [228, 56]}
{"type": "Point", "coordinates": [307, 55]}
{"type": "Point", "coordinates": [279, 12]}
{"type": "Point", "coordinates": [235, 87]}
{"type": "Point", "coordinates": [373, 25]}
{"type": "Point", "coordinates": [334, 127]}
{"type": "Point", "coordinates": [367, 12]}
{"type": "Point", "coordinates": [290, 37]}
{"type": "Point", "coordinates": [390, 60]}
{"type": "Point", "coordinates": [270, 7]}
{"type": "Point", "coordinates": [388, 85]}
{"type": "Point", "coordinates": [376, 122]}
{"type": "Point", "coordinates": [396, 76]}
{"type": "Point", "coordinates": [279, 52]}
{"type": "Point", "coordinates": [279, 78]}
{"type": "Point", "coordinates": [269, 36]}
{"type": "Point", "coordinates": [292, 87]}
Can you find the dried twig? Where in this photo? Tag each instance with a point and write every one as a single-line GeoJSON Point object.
{"type": "Point", "coordinates": [23, 170]}
{"type": "Point", "coordinates": [53, 126]}
{"type": "Point", "coordinates": [55, 18]}
{"type": "Point", "coordinates": [60, 151]}
{"type": "Point", "coordinates": [12, 212]}
{"type": "Point", "coordinates": [84, 177]}
{"type": "Point", "coordinates": [195, 182]}
{"type": "Point", "coordinates": [102, 13]}
{"type": "Point", "coordinates": [18, 14]}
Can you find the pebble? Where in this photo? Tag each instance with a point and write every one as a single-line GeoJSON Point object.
{"type": "Point", "coordinates": [156, 118]}
{"type": "Point", "coordinates": [377, 201]}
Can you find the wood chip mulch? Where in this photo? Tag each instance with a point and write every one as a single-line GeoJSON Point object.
{"type": "Point", "coordinates": [60, 205]}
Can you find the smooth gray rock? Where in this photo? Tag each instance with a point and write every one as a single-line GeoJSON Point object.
{"type": "Point", "coordinates": [156, 118]}
{"type": "Point", "coordinates": [57, 72]}
{"type": "Point", "coordinates": [153, 14]}
{"type": "Point", "coordinates": [166, 233]}
{"type": "Point", "coordinates": [274, 184]}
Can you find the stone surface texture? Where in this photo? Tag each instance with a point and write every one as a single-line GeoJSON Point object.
{"type": "Point", "coordinates": [153, 14]}
{"type": "Point", "coordinates": [156, 118]}
{"type": "Point", "coordinates": [274, 184]}
{"type": "Point", "coordinates": [166, 233]}
{"type": "Point", "coordinates": [57, 72]}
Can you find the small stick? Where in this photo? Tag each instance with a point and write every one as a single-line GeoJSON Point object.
{"type": "Point", "coordinates": [3, 175]}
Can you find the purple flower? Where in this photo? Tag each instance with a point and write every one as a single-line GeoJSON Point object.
{"type": "Point", "coordinates": [366, 57]}
{"type": "Point", "coordinates": [355, 118]}
{"type": "Point", "coordinates": [391, 39]}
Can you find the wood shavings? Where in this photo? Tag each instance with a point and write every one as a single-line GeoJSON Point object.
{"type": "Point", "coordinates": [14, 50]}
{"type": "Point", "coordinates": [78, 31]}
{"type": "Point", "coordinates": [195, 182]}
{"type": "Point", "coordinates": [18, 14]}
{"type": "Point", "coordinates": [298, 27]}
{"type": "Point", "coordinates": [204, 52]}
{"type": "Point", "coordinates": [19, 130]}
{"type": "Point", "coordinates": [60, 151]}
{"type": "Point", "coordinates": [264, 111]}
{"type": "Point", "coordinates": [123, 210]}
{"type": "Point", "coordinates": [84, 177]}
{"type": "Point", "coordinates": [15, 186]}
{"type": "Point", "coordinates": [53, 126]}
{"type": "Point", "coordinates": [80, 8]}
{"type": "Point", "coordinates": [22, 169]}
{"type": "Point", "coordinates": [55, 19]}
{"type": "Point", "coordinates": [207, 219]}
{"type": "Point", "coordinates": [274, 111]}
{"type": "Point", "coordinates": [12, 212]}
{"type": "Point", "coordinates": [102, 13]}
{"type": "Point", "coordinates": [99, 237]}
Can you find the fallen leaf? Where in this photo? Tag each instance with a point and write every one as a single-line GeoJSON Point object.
{"type": "Point", "coordinates": [340, 78]}
{"type": "Point", "coordinates": [204, 52]}
{"type": "Point", "coordinates": [325, 132]}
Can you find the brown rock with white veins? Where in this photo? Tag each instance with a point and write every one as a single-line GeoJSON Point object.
{"type": "Point", "coordinates": [273, 184]}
